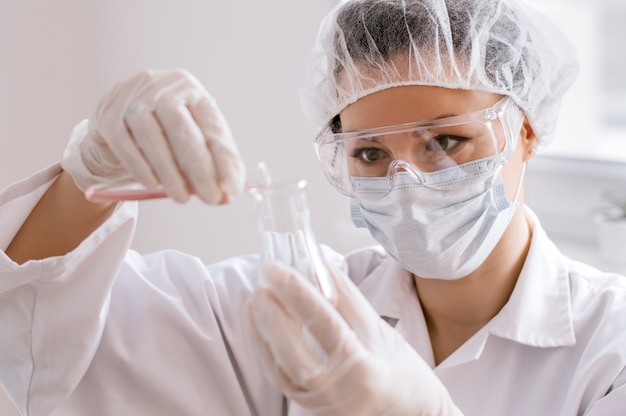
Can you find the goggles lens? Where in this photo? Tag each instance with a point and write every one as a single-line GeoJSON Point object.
{"type": "Point", "coordinates": [420, 149]}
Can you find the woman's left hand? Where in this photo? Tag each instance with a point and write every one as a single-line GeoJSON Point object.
{"type": "Point", "coordinates": [365, 366]}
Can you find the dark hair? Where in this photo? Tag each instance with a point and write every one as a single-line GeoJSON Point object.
{"type": "Point", "coordinates": [386, 28]}
{"type": "Point", "coordinates": [381, 27]}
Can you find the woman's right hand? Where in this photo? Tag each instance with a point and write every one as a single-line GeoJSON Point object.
{"type": "Point", "coordinates": [158, 127]}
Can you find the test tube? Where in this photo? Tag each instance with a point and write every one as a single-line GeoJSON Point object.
{"type": "Point", "coordinates": [257, 175]}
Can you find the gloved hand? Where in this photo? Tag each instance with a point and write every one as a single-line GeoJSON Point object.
{"type": "Point", "coordinates": [158, 127]}
{"type": "Point", "coordinates": [368, 368]}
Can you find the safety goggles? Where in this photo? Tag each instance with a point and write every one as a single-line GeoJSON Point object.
{"type": "Point", "coordinates": [443, 150]}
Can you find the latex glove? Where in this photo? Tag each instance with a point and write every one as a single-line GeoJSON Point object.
{"type": "Point", "coordinates": [367, 368]}
{"type": "Point", "coordinates": [158, 127]}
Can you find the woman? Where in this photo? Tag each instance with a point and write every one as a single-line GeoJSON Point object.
{"type": "Point", "coordinates": [430, 110]}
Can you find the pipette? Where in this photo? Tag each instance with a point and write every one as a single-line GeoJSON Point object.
{"type": "Point", "coordinates": [258, 176]}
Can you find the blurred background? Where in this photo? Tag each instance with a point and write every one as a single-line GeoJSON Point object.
{"type": "Point", "coordinates": [57, 58]}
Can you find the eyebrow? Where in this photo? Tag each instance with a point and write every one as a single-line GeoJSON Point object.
{"type": "Point", "coordinates": [444, 116]}
{"type": "Point", "coordinates": [379, 138]}
{"type": "Point", "coordinates": [440, 117]}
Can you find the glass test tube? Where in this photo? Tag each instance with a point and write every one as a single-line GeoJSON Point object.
{"type": "Point", "coordinates": [257, 175]}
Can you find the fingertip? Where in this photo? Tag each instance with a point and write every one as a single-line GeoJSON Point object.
{"type": "Point", "coordinates": [277, 274]}
{"type": "Point", "coordinates": [225, 199]}
{"type": "Point", "coordinates": [233, 182]}
{"type": "Point", "coordinates": [181, 199]}
{"type": "Point", "coordinates": [229, 167]}
{"type": "Point", "coordinates": [177, 191]}
{"type": "Point", "coordinates": [176, 188]}
{"type": "Point", "coordinates": [250, 306]}
{"type": "Point", "coordinates": [211, 197]}
{"type": "Point", "coordinates": [235, 174]}
{"type": "Point", "coordinates": [338, 276]}
{"type": "Point", "coordinates": [263, 309]}
{"type": "Point", "coordinates": [231, 188]}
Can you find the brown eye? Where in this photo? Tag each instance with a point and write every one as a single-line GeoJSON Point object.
{"type": "Point", "coordinates": [368, 154]}
{"type": "Point", "coordinates": [445, 143]}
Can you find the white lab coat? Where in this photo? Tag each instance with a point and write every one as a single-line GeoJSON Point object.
{"type": "Point", "coordinates": [107, 331]}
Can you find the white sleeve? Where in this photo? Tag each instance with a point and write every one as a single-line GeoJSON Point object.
{"type": "Point", "coordinates": [52, 311]}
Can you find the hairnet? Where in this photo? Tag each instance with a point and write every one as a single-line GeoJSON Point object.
{"type": "Point", "coordinates": [499, 46]}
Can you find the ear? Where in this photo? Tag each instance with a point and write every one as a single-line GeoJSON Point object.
{"type": "Point", "coordinates": [527, 140]}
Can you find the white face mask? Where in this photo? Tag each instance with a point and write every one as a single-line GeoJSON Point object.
{"type": "Point", "coordinates": [444, 231]}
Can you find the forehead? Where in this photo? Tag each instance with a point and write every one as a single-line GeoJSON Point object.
{"type": "Point", "coordinates": [406, 104]}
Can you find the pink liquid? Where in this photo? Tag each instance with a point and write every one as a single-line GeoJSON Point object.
{"type": "Point", "coordinates": [123, 194]}
{"type": "Point", "coordinates": [136, 193]}
{"type": "Point", "coordinates": [258, 176]}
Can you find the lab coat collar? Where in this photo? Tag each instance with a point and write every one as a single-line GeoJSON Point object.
{"type": "Point", "coordinates": [388, 288]}
{"type": "Point", "coordinates": [539, 311]}
{"type": "Point", "coordinates": [537, 314]}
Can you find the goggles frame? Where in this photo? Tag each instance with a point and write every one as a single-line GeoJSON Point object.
{"type": "Point", "coordinates": [506, 111]}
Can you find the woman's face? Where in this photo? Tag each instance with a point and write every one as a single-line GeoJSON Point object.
{"type": "Point", "coordinates": [407, 104]}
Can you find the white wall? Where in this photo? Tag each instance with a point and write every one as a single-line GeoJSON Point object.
{"type": "Point", "coordinates": [595, 106]}
{"type": "Point", "coordinates": [58, 58]}
{"type": "Point", "coordinates": [565, 193]}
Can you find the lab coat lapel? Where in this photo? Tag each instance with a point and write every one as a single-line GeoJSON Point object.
{"type": "Point", "coordinates": [391, 291]}
{"type": "Point", "coordinates": [539, 311]}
